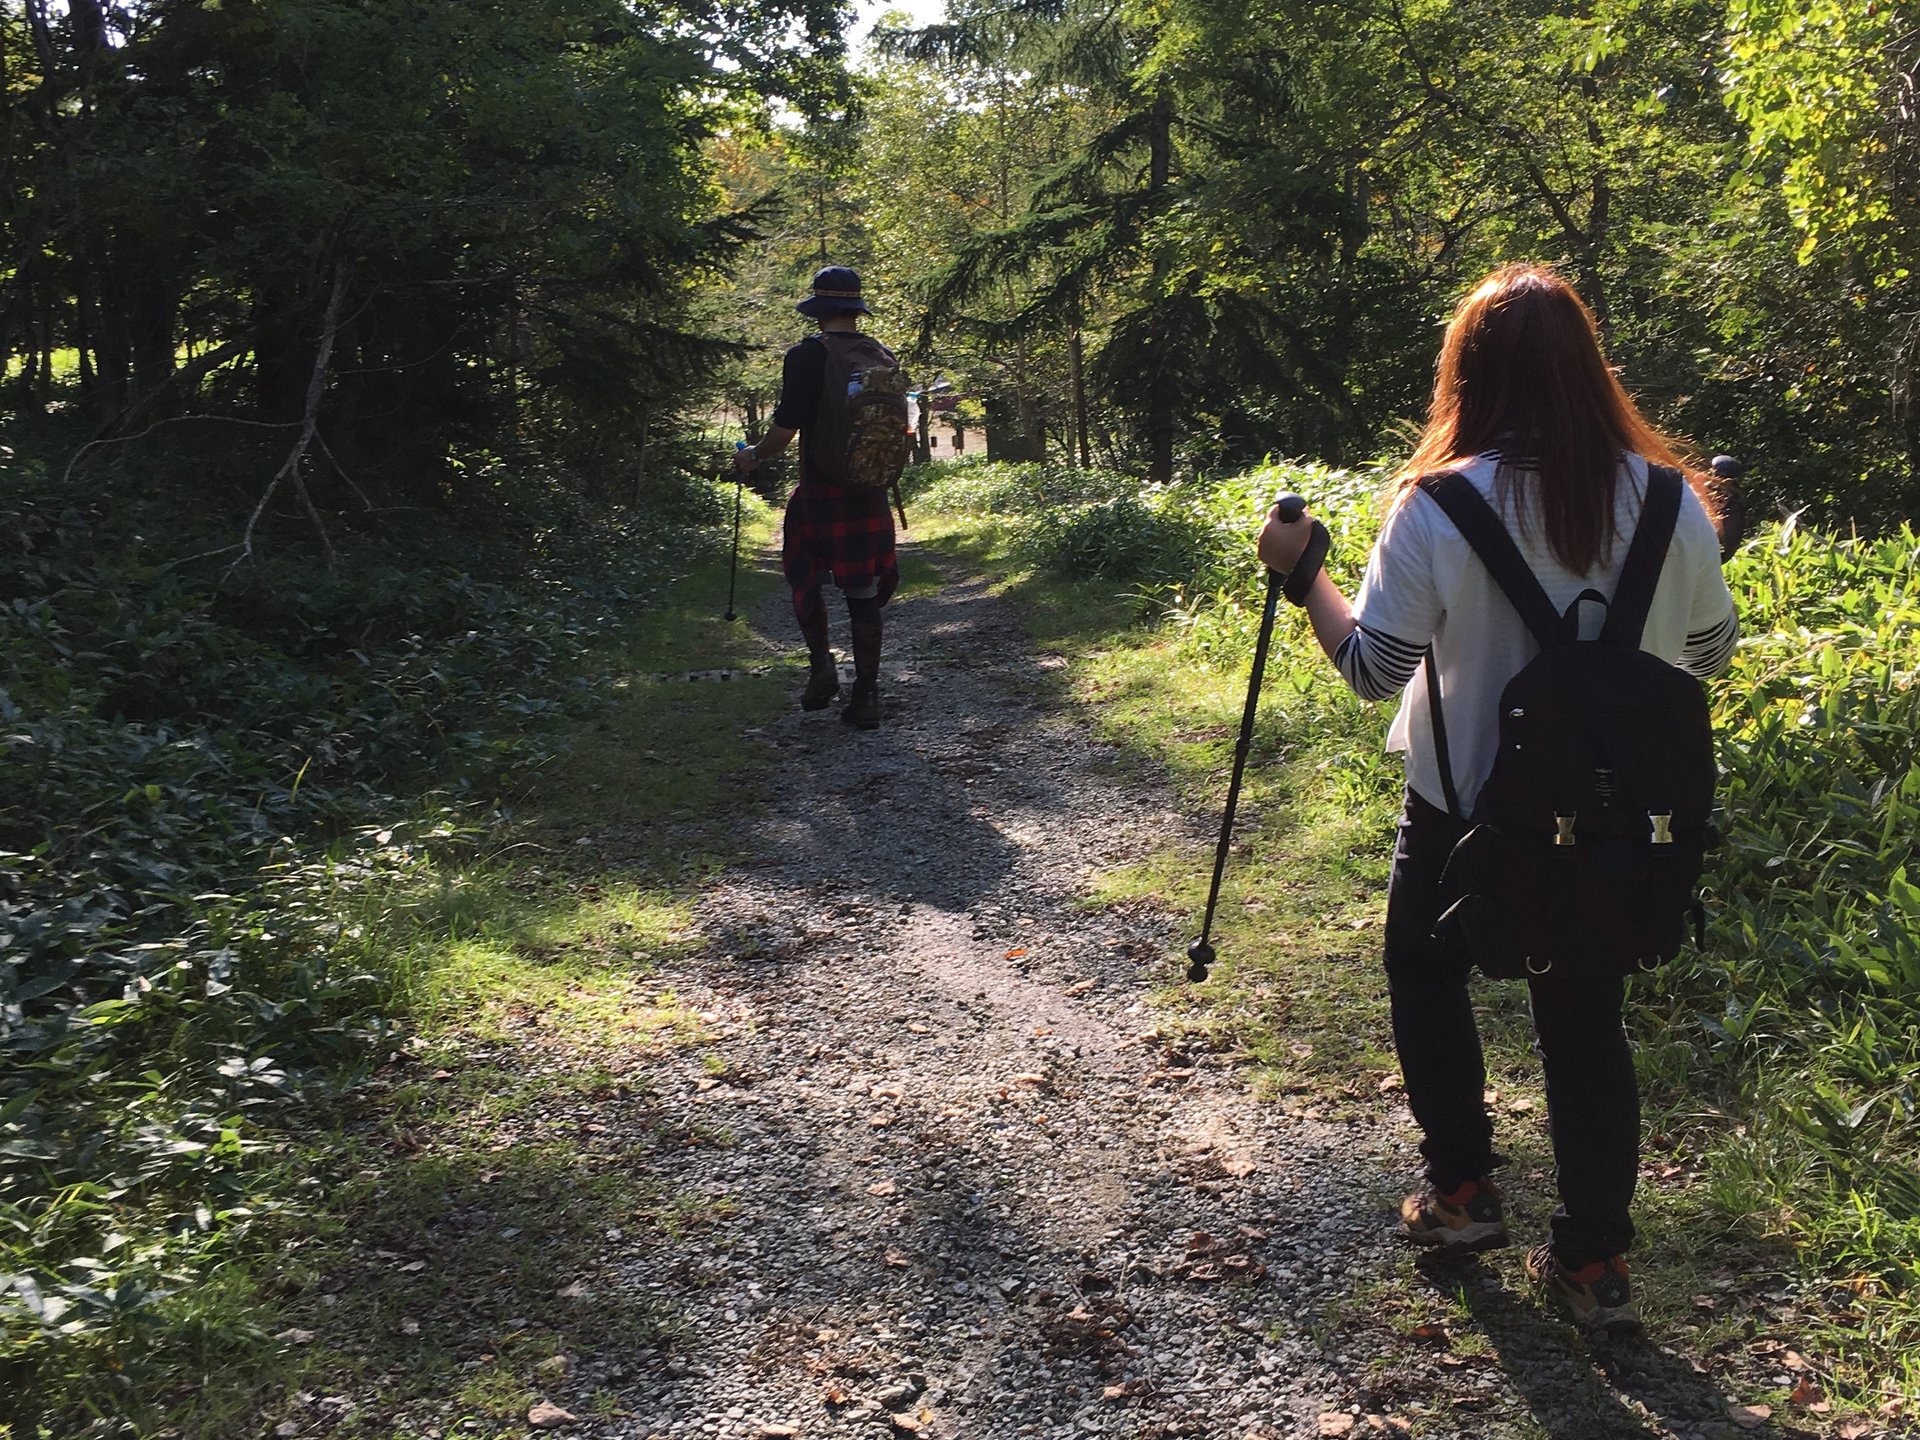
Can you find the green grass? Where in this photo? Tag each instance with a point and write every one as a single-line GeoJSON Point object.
{"type": "Point", "coordinates": [467, 1155]}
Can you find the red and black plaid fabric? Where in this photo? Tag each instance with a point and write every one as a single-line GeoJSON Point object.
{"type": "Point", "coordinates": [841, 531]}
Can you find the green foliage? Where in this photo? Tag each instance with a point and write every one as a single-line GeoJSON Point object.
{"type": "Point", "coordinates": [1816, 83]}
{"type": "Point", "coordinates": [495, 214]}
{"type": "Point", "coordinates": [224, 799]}
{"type": "Point", "coordinates": [1808, 991]}
{"type": "Point", "coordinates": [1250, 220]}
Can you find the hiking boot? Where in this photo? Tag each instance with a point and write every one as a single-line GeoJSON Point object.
{"type": "Point", "coordinates": [1598, 1296]}
{"type": "Point", "coordinates": [1461, 1221]}
{"type": "Point", "coordinates": [823, 683]}
{"type": "Point", "coordinates": [862, 710]}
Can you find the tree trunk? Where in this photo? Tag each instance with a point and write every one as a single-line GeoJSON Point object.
{"type": "Point", "coordinates": [1077, 374]}
{"type": "Point", "coordinates": [640, 461]}
{"type": "Point", "coordinates": [1030, 422]}
{"type": "Point", "coordinates": [1159, 411]}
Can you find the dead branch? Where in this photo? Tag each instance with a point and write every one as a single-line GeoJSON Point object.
{"type": "Point", "coordinates": [289, 471]}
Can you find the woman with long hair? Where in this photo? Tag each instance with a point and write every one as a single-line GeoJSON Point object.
{"type": "Point", "coordinates": [1526, 409]}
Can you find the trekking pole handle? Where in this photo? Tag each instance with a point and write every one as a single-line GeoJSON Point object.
{"type": "Point", "coordinates": [1291, 507]}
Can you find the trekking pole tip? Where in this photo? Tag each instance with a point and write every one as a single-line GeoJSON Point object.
{"type": "Point", "coordinates": [1200, 953]}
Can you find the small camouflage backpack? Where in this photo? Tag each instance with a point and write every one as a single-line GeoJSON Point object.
{"type": "Point", "coordinates": [860, 436]}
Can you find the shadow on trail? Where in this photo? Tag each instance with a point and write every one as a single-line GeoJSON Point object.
{"type": "Point", "coordinates": [936, 740]}
{"type": "Point", "coordinates": [1581, 1389]}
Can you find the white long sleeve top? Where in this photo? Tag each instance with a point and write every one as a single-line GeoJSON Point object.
{"type": "Point", "coordinates": [1424, 585]}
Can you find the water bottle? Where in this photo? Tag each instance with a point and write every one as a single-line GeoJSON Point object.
{"type": "Point", "coordinates": [853, 383]}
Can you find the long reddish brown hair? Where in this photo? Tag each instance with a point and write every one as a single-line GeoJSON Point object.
{"type": "Point", "coordinates": [1521, 371]}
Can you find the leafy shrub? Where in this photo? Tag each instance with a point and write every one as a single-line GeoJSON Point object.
{"type": "Point", "coordinates": [1138, 538]}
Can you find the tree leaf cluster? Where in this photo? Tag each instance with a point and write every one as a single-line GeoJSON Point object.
{"type": "Point", "coordinates": [1255, 217]}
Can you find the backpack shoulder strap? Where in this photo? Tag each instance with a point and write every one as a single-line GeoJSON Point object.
{"type": "Point", "coordinates": [1482, 529]}
{"type": "Point", "coordinates": [1646, 555]}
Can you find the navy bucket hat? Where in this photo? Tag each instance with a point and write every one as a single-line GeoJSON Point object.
{"type": "Point", "coordinates": [836, 291]}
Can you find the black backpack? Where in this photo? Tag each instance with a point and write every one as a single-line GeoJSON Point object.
{"type": "Point", "coordinates": [1587, 841]}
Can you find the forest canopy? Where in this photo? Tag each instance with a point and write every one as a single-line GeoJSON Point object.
{"type": "Point", "coordinates": [1170, 234]}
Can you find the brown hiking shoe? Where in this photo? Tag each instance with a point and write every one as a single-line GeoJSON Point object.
{"type": "Point", "coordinates": [1462, 1221]}
{"type": "Point", "coordinates": [823, 683]}
{"type": "Point", "coordinates": [1599, 1296]}
{"type": "Point", "coordinates": [862, 710]}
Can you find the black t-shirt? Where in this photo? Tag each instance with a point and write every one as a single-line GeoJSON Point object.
{"type": "Point", "coordinates": [801, 376]}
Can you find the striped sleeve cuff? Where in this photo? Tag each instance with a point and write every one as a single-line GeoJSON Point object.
{"type": "Point", "coordinates": [1708, 652]}
{"type": "Point", "coordinates": [1377, 665]}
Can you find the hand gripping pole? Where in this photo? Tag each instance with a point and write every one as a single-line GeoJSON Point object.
{"type": "Point", "coordinates": [1200, 954]}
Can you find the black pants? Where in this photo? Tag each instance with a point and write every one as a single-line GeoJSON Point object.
{"type": "Point", "coordinates": [1593, 1097]}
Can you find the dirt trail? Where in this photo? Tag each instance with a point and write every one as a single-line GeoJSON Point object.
{"type": "Point", "coordinates": [968, 1190]}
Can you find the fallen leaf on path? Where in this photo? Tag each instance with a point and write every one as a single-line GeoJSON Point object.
{"type": "Point", "coordinates": [1392, 1082]}
{"type": "Point", "coordinates": [1805, 1393]}
{"type": "Point", "coordinates": [1749, 1417]}
{"type": "Point", "coordinates": [1855, 1430]}
{"type": "Point", "coordinates": [295, 1336]}
{"type": "Point", "coordinates": [1081, 987]}
{"type": "Point", "coordinates": [881, 1187]}
{"type": "Point", "coordinates": [1016, 952]}
{"type": "Point", "coordinates": [1335, 1423]}
{"type": "Point", "coordinates": [881, 1121]}
{"type": "Point", "coordinates": [772, 1430]}
{"type": "Point", "coordinates": [897, 1258]}
{"type": "Point", "coordinates": [548, 1416]}
{"type": "Point", "coordinates": [916, 1028]}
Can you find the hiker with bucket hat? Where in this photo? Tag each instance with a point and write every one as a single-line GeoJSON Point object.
{"type": "Point", "coordinates": [835, 529]}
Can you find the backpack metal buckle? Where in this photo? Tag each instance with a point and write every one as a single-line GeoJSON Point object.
{"type": "Point", "coordinates": [1563, 829]}
{"type": "Point", "coordinates": [1662, 828]}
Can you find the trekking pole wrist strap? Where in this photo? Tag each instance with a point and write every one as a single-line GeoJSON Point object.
{"type": "Point", "coordinates": [1298, 582]}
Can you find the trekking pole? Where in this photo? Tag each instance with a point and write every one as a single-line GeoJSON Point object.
{"type": "Point", "coordinates": [1200, 953]}
{"type": "Point", "coordinates": [733, 570]}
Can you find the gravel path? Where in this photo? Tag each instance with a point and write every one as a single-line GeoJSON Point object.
{"type": "Point", "coordinates": [967, 1189]}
